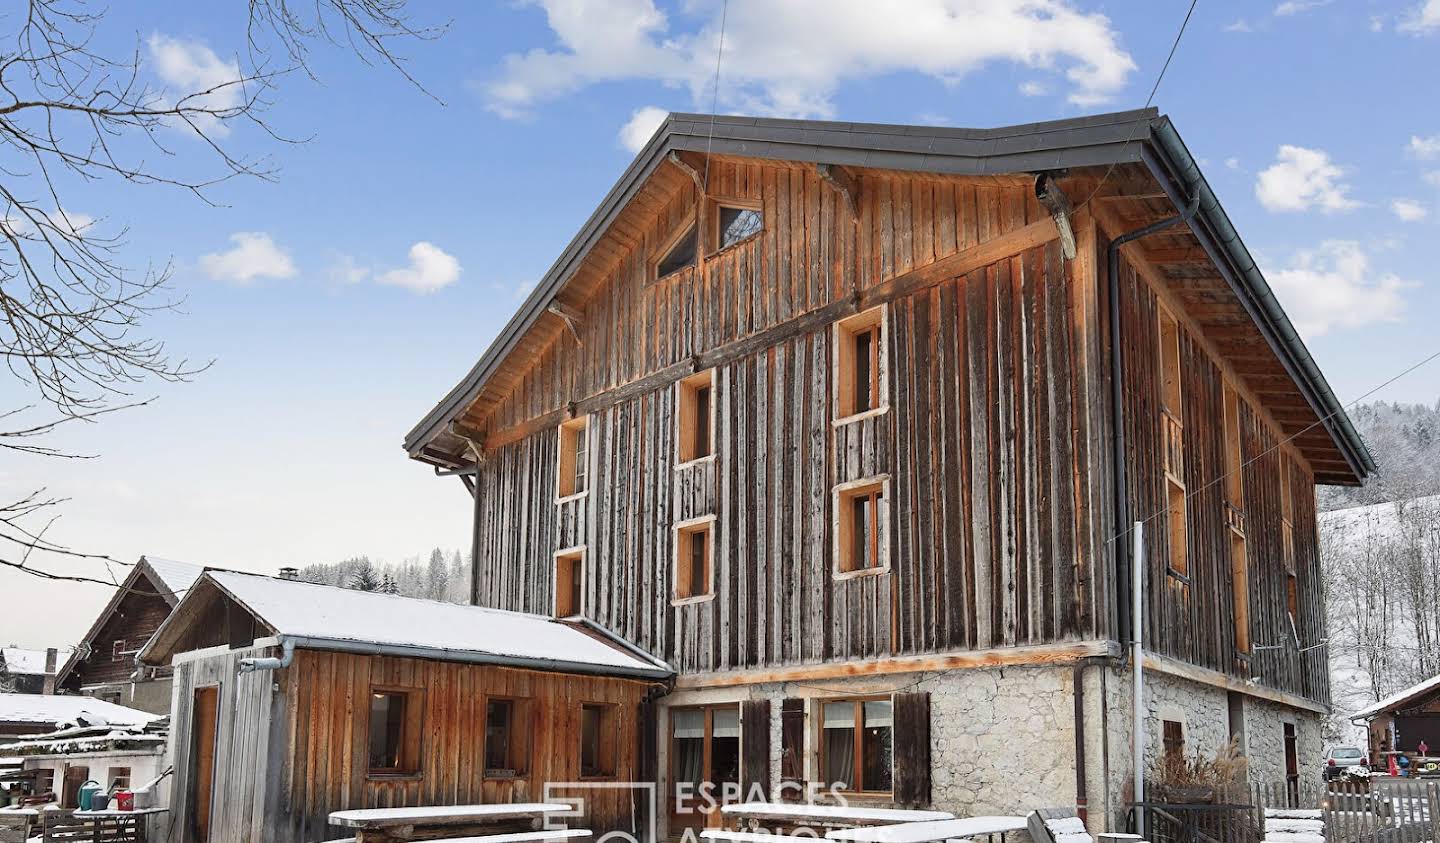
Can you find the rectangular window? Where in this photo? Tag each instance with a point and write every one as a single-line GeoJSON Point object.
{"type": "Point", "coordinates": [695, 417]}
{"type": "Point", "coordinates": [1179, 533]}
{"type": "Point", "coordinates": [597, 741]}
{"type": "Point", "coordinates": [856, 745]}
{"type": "Point", "coordinates": [1170, 392]}
{"type": "Point", "coordinates": [1235, 520]}
{"type": "Point", "coordinates": [677, 254]}
{"type": "Point", "coordinates": [1173, 442]}
{"type": "Point", "coordinates": [859, 361]}
{"type": "Point", "coordinates": [569, 568]}
{"type": "Point", "coordinates": [394, 745]}
{"type": "Point", "coordinates": [574, 472]}
{"type": "Point", "coordinates": [118, 778]}
{"type": "Point", "coordinates": [693, 556]}
{"type": "Point", "coordinates": [860, 527]}
{"type": "Point", "coordinates": [1287, 544]}
{"type": "Point", "coordinates": [734, 223]}
{"type": "Point", "coordinates": [1173, 738]}
{"type": "Point", "coordinates": [506, 738]}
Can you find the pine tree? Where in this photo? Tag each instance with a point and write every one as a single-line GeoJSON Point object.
{"type": "Point", "coordinates": [388, 585]}
{"type": "Point", "coordinates": [364, 577]}
{"type": "Point", "coordinates": [436, 577]}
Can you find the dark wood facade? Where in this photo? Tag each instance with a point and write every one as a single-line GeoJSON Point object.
{"type": "Point", "coordinates": [996, 444]}
{"type": "Point", "coordinates": [110, 649]}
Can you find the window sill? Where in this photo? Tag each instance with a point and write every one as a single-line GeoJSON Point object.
{"type": "Point", "coordinates": [394, 777]}
{"type": "Point", "coordinates": [862, 572]}
{"type": "Point", "coordinates": [559, 499]}
{"type": "Point", "coordinates": [691, 601]}
{"type": "Point", "coordinates": [868, 414]}
{"type": "Point", "coordinates": [708, 458]}
{"type": "Point", "coordinates": [741, 242]}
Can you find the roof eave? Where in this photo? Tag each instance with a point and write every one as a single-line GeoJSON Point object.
{"type": "Point", "coordinates": [345, 645]}
{"type": "Point", "coordinates": [1172, 163]}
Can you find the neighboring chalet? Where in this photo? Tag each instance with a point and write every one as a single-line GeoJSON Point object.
{"type": "Point", "coordinates": [33, 714]}
{"type": "Point", "coordinates": [99, 742]}
{"type": "Point", "coordinates": [104, 664]}
{"type": "Point", "coordinates": [848, 423]}
{"type": "Point", "coordinates": [293, 700]}
{"type": "Point", "coordinates": [1402, 721]}
{"type": "Point", "coordinates": [25, 671]}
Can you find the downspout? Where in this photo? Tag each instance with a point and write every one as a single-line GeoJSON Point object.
{"type": "Point", "coordinates": [1117, 408]}
{"type": "Point", "coordinates": [1081, 803]}
{"type": "Point", "coordinates": [287, 655]}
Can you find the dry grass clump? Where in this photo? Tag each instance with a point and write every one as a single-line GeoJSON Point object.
{"type": "Point", "coordinates": [1196, 778]}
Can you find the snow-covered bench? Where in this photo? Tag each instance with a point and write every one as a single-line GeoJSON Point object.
{"type": "Point", "coordinates": [1057, 825]}
{"type": "Point", "coordinates": [1294, 825]}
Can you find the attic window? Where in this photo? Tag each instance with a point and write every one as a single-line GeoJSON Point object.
{"type": "Point", "coordinates": [678, 253]}
{"type": "Point", "coordinates": [734, 223]}
{"type": "Point", "coordinates": [568, 567]}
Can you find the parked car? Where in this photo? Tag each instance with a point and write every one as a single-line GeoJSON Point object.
{"type": "Point", "coordinates": [1340, 758]}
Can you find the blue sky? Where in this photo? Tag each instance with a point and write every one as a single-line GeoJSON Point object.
{"type": "Point", "coordinates": [401, 236]}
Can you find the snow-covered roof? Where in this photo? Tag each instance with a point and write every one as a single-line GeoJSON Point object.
{"type": "Point", "coordinates": [1397, 699]}
{"type": "Point", "coordinates": [330, 617]}
{"type": "Point", "coordinates": [176, 576]}
{"type": "Point", "coordinates": [58, 709]}
{"type": "Point", "coordinates": [22, 662]}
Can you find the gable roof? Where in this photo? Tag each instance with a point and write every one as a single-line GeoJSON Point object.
{"type": "Point", "coordinates": [1141, 137]}
{"type": "Point", "coordinates": [56, 709]}
{"type": "Point", "coordinates": [1397, 700]}
{"type": "Point", "coordinates": [170, 579]}
{"type": "Point", "coordinates": [329, 617]}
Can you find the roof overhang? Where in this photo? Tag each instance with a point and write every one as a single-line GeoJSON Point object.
{"type": "Point", "coordinates": [1141, 137]}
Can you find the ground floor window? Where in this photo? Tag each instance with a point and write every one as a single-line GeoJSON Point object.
{"type": "Point", "coordinates": [394, 732]}
{"type": "Point", "coordinates": [856, 744]}
{"type": "Point", "coordinates": [118, 778]}
{"type": "Point", "coordinates": [704, 755]}
{"type": "Point", "coordinates": [597, 741]}
{"type": "Point", "coordinates": [506, 738]}
{"type": "Point", "coordinates": [1173, 737]}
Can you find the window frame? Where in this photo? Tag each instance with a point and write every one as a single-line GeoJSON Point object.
{"type": "Point", "coordinates": [686, 397]}
{"type": "Point", "coordinates": [517, 741]}
{"type": "Point", "coordinates": [681, 231]}
{"type": "Point", "coordinates": [1171, 383]}
{"type": "Point", "coordinates": [857, 727]}
{"type": "Point", "coordinates": [568, 457]}
{"type": "Point", "coordinates": [682, 529]}
{"type": "Point", "coordinates": [115, 774]}
{"type": "Point", "coordinates": [409, 758]}
{"type": "Point", "coordinates": [1235, 519]}
{"type": "Point", "coordinates": [712, 221]}
{"type": "Point", "coordinates": [1172, 744]}
{"type": "Point", "coordinates": [608, 745]}
{"type": "Point", "coordinates": [574, 556]}
{"type": "Point", "coordinates": [842, 526]}
{"type": "Point", "coordinates": [843, 365]}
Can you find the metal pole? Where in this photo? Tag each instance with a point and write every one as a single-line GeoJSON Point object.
{"type": "Point", "coordinates": [1137, 623]}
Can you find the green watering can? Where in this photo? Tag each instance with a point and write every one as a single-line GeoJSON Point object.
{"type": "Point", "coordinates": [86, 795]}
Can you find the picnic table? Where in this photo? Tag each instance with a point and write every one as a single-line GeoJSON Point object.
{"type": "Point", "coordinates": [757, 814]}
{"type": "Point", "coordinates": [931, 831]}
{"type": "Point", "coordinates": [453, 821]}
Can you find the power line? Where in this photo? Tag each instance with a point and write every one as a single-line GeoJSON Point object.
{"type": "Point", "coordinates": [715, 93]}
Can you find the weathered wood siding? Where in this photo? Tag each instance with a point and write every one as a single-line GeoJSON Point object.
{"type": "Point", "coordinates": [1194, 621]}
{"type": "Point", "coordinates": [290, 753]}
{"type": "Point", "coordinates": [135, 619]}
{"type": "Point", "coordinates": [997, 512]}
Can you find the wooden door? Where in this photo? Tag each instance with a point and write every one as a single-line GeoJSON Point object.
{"type": "Point", "coordinates": [1292, 764]}
{"type": "Point", "coordinates": [203, 751]}
{"type": "Point", "coordinates": [75, 776]}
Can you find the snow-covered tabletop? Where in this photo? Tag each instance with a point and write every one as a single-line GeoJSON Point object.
{"type": "Point", "coordinates": [526, 836]}
{"type": "Point", "coordinates": [799, 814]}
{"type": "Point", "coordinates": [930, 831]}
{"type": "Point", "coordinates": [752, 837]}
{"type": "Point", "coordinates": [444, 814]}
{"type": "Point", "coordinates": [115, 812]}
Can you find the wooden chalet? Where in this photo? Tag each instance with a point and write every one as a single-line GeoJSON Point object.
{"type": "Point", "coordinates": [24, 671]}
{"type": "Point", "coordinates": [293, 700]}
{"type": "Point", "coordinates": [104, 665]}
{"type": "Point", "coordinates": [848, 423]}
{"type": "Point", "coordinates": [1402, 721]}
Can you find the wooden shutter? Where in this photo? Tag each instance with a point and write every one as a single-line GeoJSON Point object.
{"type": "Point", "coordinates": [911, 734]}
{"type": "Point", "coordinates": [755, 748]}
{"type": "Point", "coordinates": [792, 749]}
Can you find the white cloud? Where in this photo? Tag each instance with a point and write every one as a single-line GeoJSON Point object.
{"type": "Point", "coordinates": [1301, 179]}
{"type": "Point", "coordinates": [1424, 148]}
{"type": "Point", "coordinates": [1033, 89]}
{"type": "Point", "coordinates": [1295, 7]}
{"type": "Point", "coordinates": [1239, 25]}
{"type": "Point", "coordinates": [346, 271]}
{"type": "Point", "coordinates": [1432, 177]}
{"type": "Point", "coordinates": [1333, 287]}
{"type": "Point", "coordinates": [642, 124]}
{"type": "Point", "coordinates": [1232, 164]}
{"type": "Point", "coordinates": [1409, 210]}
{"type": "Point", "coordinates": [189, 68]}
{"type": "Point", "coordinates": [430, 269]}
{"type": "Point", "coordinates": [254, 255]}
{"type": "Point", "coordinates": [763, 71]}
{"type": "Point", "coordinates": [1423, 19]}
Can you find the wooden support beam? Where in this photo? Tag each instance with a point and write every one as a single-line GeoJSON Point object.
{"type": "Point", "coordinates": [1214, 678]}
{"type": "Point", "coordinates": [844, 181]}
{"type": "Point", "coordinates": [569, 315]}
